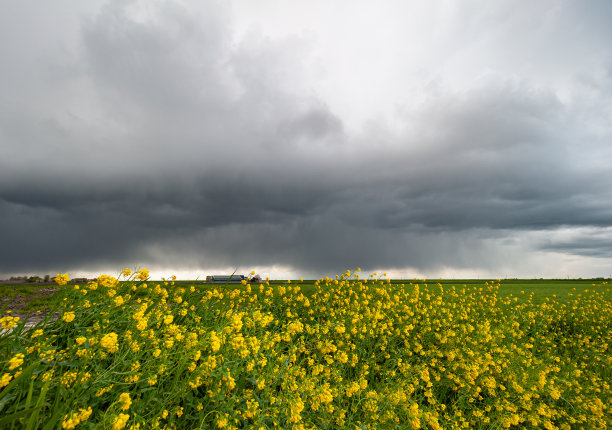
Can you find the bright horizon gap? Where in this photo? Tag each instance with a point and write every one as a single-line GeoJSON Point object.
{"type": "Point", "coordinates": [380, 274]}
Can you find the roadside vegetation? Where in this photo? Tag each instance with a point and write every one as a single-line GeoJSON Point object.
{"type": "Point", "coordinates": [335, 353]}
{"type": "Point", "coordinates": [29, 298]}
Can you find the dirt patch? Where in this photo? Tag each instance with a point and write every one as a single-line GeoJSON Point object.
{"type": "Point", "coordinates": [16, 307]}
{"type": "Point", "coordinates": [20, 301]}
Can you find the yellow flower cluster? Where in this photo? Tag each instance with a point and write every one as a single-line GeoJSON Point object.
{"type": "Point", "coordinates": [109, 341]}
{"type": "Point", "coordinates": [61, 279]}
{"type": "Point", "coordinates": [106, 281]}
{"type": "Point", "coordinates": [16, 361]}
{"type": "Point", "coordinates": [339, 353]}
{"type": "Point", "coordinates": [120, 421]}
{"type": "Point", "coordinates": [75, 418]}
{"type": "Point", "coordinates": [6, 378]}
{"type": "Point", "coordinates": [8, 322]}
{"type": "Point", "coordinates": [125, 401]}
{"type": "Point", "coordinates": [142, 275]}
{"type": "Point", "coordinates": [68, 317]}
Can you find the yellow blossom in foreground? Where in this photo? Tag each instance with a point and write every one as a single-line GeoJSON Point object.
{"type": "Point", "coordinates": [8, 322]}
{"type": "Point", "coordinates": [107, 281]}
{"type": "Point", "coordinates": [61, 279]}
{"type": "Point", "coordinates": [76, 418]}
{"type": "Point", "coordinates": [6, 378]}
{"type": "Point", "coordinates": [125, 401]}
{"type": "Point", "coordinates": [126, 272]}
{"type": "Point", "coordinates": [16, 361]}
{"type": "Point", "coordinates": [85, 413]}
{"type": "Point", "coordinates": [47, 375]}
{"type": "Point", "coordinates": [142, 274]}
{"type": "Point", "coordinates": [222, 422]}
{"type": "Point", "coordinates": [68, 317]}
{"type": "Point", "coordinates": [120, 421]}
{"type": "Point", "coordinates": [109, 342]}
{"type": "Point", "coordinates": [142, 324]}
{"type": "Point", "coordinates": [215, 342]}
{"type": "Point", "coordinates": [70, 422]}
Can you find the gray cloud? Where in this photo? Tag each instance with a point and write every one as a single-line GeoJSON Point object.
{"type": "Point", "coordinates": [585, 241]}
{"type": "Point", "coordinates": [164, 141]}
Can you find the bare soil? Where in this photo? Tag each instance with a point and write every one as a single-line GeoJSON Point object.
{"type": "Point", "coordinates": [17, 304]}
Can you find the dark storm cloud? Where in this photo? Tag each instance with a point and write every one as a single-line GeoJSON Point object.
{"type": "Point", "coordinates": [585, 242]}
{"type": "Point", "coordinates": [590, 248]}
{"type": "Point", "coordinates": [170, 143]}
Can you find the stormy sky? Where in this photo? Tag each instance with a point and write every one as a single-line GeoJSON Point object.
{"type": "Point", "coordinates": [304, 138]}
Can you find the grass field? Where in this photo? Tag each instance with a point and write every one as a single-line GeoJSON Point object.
{"type": "Point", "coordinates": [331, 353]}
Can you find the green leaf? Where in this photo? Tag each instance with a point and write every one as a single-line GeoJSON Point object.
{"type": "Point", "coordinates": [7, 400]}
{"type": "Point", "coordinates": [10, 419]}
{"type": "Point", "coordinates": [33, 421]}
{"type": "Point", "coordinates": [54, 419]}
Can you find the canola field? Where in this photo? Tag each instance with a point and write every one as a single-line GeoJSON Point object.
{"type": "Point", "coordinates": [345, 353]}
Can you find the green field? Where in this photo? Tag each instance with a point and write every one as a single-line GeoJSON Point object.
{"type": "Point", "coordinates": [561, 289]}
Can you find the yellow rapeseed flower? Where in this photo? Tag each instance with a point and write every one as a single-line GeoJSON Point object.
{"type": "Point", "coordinates": [75, 418]}
{"type": "Point", "coordinates": [142, 274]}
{"type": "Point", "coordinates": [68, 317]}
{"type": "Point", "coordinates": [107, 281]}
{"type": "Point", "coordinates": [120, 421]}
{"type": "Point", "coordinates": [61, 279]}
{"type": "Point", "coordinates": [125, 401]}
{"type": "Point", "coordinates": [222, 422]}
{"type": "Point", "coordinates": [8, 322]}
{"type": "Point", "coordinates": [109, 342]}
{"type": "Point", "coordinates": [6, 378]}
{"type": "Point", "coordinates": [70, 422]}
{"type": "Point", "coordinates": [16, 361]}
{"type": "Point", "coordinates": [215, 342]}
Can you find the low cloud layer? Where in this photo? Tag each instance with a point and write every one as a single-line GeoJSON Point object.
{"type": "Point", "coordinates": [150, 135]}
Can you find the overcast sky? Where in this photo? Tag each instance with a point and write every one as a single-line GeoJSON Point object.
{"type": "Point", "coordinates": [304, 138]}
